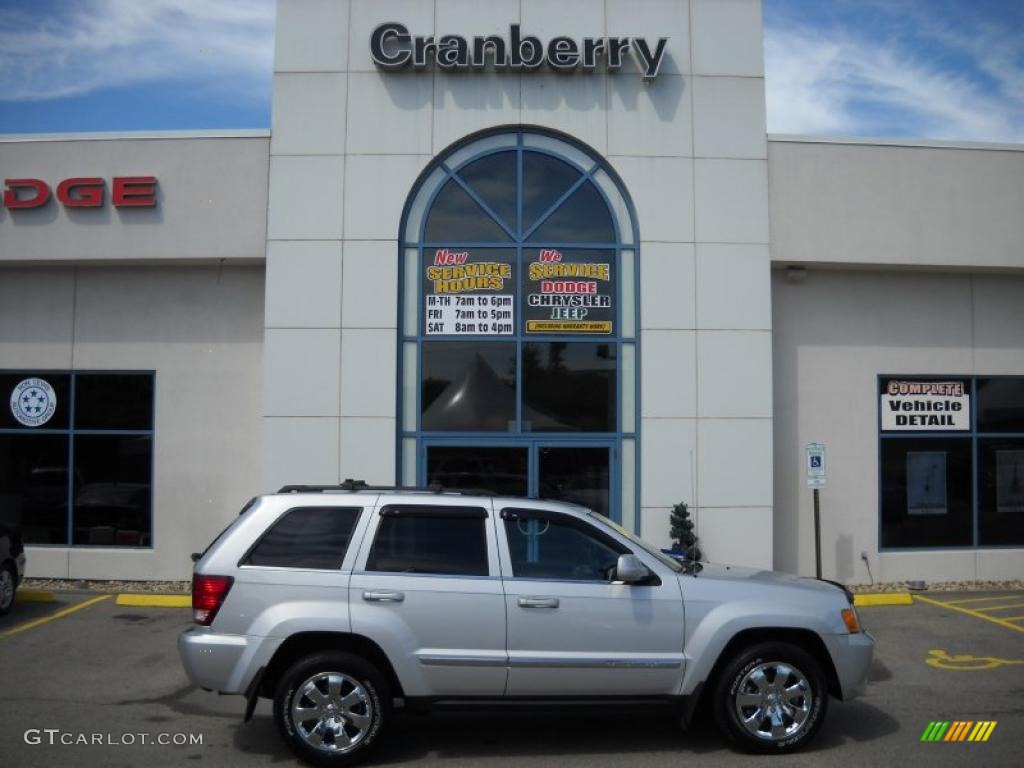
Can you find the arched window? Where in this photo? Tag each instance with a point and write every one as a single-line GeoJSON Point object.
{"type": "Point", "coordinates": [518, 354]}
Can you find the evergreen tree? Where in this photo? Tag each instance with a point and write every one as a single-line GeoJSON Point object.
{"type": "Point", "coordinates": [682, 533]}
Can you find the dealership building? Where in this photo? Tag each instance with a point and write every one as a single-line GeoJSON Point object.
{"type": "Point", "coordinates": [542, 248]}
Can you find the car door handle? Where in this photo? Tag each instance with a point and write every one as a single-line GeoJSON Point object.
{"type": "Point", "coordinates": [538, 602]}
{"type": "Point", "coordinates": [384, 597]}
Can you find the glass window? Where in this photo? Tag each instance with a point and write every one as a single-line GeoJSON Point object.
{"type": "Point", "coordinates": [468, 386]}
{"type": "Point", "coordinates": [502, 470]}
{"type": "Point", "coordinates": [438, 540]}
{"type": "Point", "coordinates": [1001, 491]}
{"type": "Point", "coordinates": [1001, 404]}
{"type": "Point", "coordinates": [578, 475]}
{"type": "Point", "coordinates": [926, 492]}
{"type": "Point", "coordinates": [456, 218]}
{"type": "Point", "coordinates": [962, 488]}
{"type": "Point", "coordinates": [307, 537]}
{"type": "Point", "coordinates": [493, 179]}
{"type": "Point", "coordinates": [582, 218]}
{"type": "Point", "coordinates": [34, 486]}
{"type": "Point", "coordinates": [569, 387]}
{"type": "Point", "coordinates": [545, 180]}
{"type": "Point", "coordinates": [515, 285]}
{"type": "Point", "coordinates": [549, 546]}
{"type": "Point", "coordinates": [113, 401]}
{"type": "Point", "coordinates": [108, 483]}
{"type": "Point", "coordinates": [112, 490]}
{"type": "Point", "coordinates": [35, 400]}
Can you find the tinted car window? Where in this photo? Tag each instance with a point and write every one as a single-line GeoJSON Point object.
{"type": "Point", "coordinates": [555, 547]}
{"type": "Point", "coordinates": [307, 537]}
{"type": "Point", "coordinates": [442, 540]}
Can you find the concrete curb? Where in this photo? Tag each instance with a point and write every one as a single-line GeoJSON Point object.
{"type": "Point", "coordinates": [155, 601]}
{"type": "Point", "coordinates": [883, 598]}
{"type": "Point", "coordinates": [34, 596]}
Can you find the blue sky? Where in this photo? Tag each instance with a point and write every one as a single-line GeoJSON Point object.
{"type": "Point", "coordinates": [940, 69]}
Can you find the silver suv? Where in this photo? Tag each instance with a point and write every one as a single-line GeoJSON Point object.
{"type": "Point", "coordinates": [342, 602]}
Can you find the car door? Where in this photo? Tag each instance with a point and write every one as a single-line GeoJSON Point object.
{"type": "Point", "coordinates": [571, 629]}
{"type": "Point", "coordinates": [427, 590]}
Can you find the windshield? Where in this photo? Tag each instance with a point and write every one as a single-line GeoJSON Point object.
{"type": "Point", "coordinates": [648, 548]}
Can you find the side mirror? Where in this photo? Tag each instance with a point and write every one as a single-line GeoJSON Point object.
{"type": "Point", "coordinates": [629, 570]}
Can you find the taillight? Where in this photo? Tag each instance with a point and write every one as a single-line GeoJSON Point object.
{"type": "Point", "coordinates": [208, 593]}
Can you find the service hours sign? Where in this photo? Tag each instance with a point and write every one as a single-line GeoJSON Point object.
{"type": "Point", "coordinates": [469, 292]}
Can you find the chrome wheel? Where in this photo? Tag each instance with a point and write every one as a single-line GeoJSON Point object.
{"type": "Point", "coordinates": [6, 588]}
{"type": "Point", "coordinates": [773, 701]}
{"type": "Point", "coordinates": [332, 712]}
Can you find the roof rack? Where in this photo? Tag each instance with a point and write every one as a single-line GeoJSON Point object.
{"type": "Point", "coordinates": [362, 485]}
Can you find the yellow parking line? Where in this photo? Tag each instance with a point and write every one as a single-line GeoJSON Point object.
{"type": "Point", "coordinates": [999, 607]}
{"type": "Point", "coordinates": [1012, 618]}
{"type": "Point", "coordinates": [155, 601]}
{"type": "Point", "coordinates": [969, 612]}
{"type": "Point", "coordinates": [59, 614]}
{"type": "Point", "coordinates": [982, 599]}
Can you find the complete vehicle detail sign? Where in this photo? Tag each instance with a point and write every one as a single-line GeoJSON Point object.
{"type": "Point", "coordinates": [393, 48]}
{"type": "Point", "coordinates": [933, 406]}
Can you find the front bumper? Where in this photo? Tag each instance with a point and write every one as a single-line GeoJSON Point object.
{"type": "Point", "coordinates": [220, 662]}
{"type": "Point", "coordinates": [851, 656]}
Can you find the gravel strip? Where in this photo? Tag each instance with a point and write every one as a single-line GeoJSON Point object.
{"type": "Point", "coordinates": [63, 585]}
{"type": "Point", "coordinates": [941, 586]}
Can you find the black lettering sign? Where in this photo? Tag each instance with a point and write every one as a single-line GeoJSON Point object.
{"type": "Point", "coordinates": [392, 47]}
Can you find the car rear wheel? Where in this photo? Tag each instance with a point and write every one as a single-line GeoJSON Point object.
{"type": "Point", "coordinates": [330, 708]}
{"type": "Point", "coordinates": [771, 698]}
{"type": "Point", "coordinates": [7, 580]}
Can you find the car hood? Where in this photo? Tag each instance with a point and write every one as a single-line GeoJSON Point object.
{"type": "Point", "coordinates": [738, 575]}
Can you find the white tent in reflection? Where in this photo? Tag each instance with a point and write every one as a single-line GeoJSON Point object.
{"type": "Point", "coordinates": [480, 400]}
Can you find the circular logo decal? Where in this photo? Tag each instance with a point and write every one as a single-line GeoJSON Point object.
{"type": "Point", "coordinates": [33, 402]}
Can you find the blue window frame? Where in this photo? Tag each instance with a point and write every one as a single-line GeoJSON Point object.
{"type": "Point", "coordinates": [951, 473]}
{"type": "Point", "coordinates": [551, 376]}
{"type": "Point", "coordinates": [76, 460]}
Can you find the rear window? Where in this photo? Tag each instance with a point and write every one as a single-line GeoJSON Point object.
{"type": "Point", "coordinates": [306, 537]}
{"type": "Point", "coordinates": [430, 540]}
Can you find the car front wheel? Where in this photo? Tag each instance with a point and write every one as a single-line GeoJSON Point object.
{"type": "Point", "coordinates": [7, 580]}
{"type": "Point", "coordinates": [330, 708]}
{"type": "Point", "coordinates": [771, 698]}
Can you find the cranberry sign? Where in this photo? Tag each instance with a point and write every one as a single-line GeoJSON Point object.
{"type": "Point", "coordinates": [81, 192]}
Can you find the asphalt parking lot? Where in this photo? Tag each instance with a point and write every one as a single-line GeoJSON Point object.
{"type": "Point", "coordinates": [113, 670]}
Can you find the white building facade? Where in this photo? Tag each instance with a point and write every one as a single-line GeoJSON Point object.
{"type": "Point", "coordinates": [543, 248]}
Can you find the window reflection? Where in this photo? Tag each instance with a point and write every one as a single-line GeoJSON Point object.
{"type": "Point", "coordinates": [493, 178]}
{"type": "Point", "coordinates": [569, 387]}
{"type": "Point", "coordinates": [456, 218]}
{"type": "Point", "coordinates": [545, 180]}
{"type": "Point", "coordinates": [583, 218]}
{"type": "Point", "coordinates": [468, 386]}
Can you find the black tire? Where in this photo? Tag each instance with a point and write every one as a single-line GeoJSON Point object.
{"type": "Point", "coordinates": [797, 716]}
{"type": "Point", "coordinates": [9, 575]}
{"type": "Point", "coordinates": [351, 671]}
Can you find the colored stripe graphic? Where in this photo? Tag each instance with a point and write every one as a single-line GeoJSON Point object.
{"type": "Point", "coordinates": [934, 730]}
{"type": "Point", "coordinates": [958, 730]}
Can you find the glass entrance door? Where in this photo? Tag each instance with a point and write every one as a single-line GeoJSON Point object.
{"type": "Point", "coordinates": [578, 474]}
{"type": "Point", "coordinates": [581, 473]}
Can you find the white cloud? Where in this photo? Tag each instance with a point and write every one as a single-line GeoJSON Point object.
{"type": "Point", "coordinates": [98, 44]}
{"type": "Point", "coordinates": [850, 82]}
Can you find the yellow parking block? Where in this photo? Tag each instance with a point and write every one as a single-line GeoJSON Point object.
{"type": "Point", "coordinates": [155, 601]}
{"type": "Point", "coordinates": [883, 598]}
{"type": "Point", "coordinates": [34, 596]}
